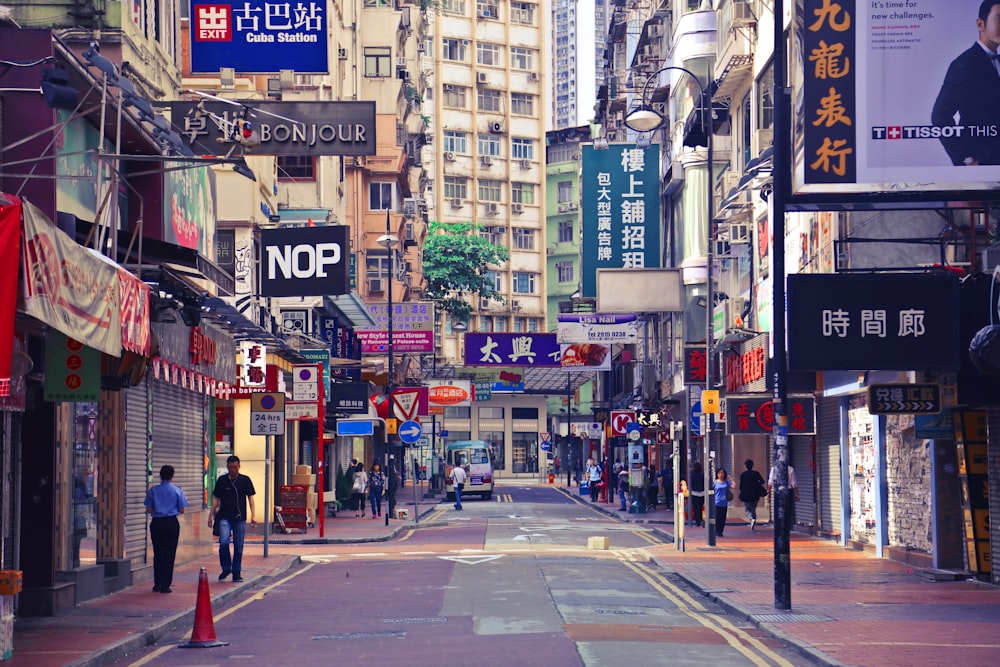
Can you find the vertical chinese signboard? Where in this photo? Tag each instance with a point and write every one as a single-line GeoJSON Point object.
{"type": "Point", "coordinates": [621, 210]}
{"type": "Point", "coordinates": [829, 86]}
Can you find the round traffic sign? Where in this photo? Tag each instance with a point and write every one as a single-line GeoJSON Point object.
{"type": "Point", "coordinates": [267, 402]}
{"type": "Point", "coordinates": [409, 432]}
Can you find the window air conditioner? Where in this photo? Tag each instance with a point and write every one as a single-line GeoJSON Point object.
{"type": "Point", "coordinates": [449, 156]}
{"type": "Point", "coordinates": [486, 160]}
{"type": "Point", "coordinates": [532, 76]}
{"type": "Point", "coordinates": [572, 206]}
{"type": "Point", "coordinates": [480, 77]}
{"type": "Point", "coordinates": [456, 203]}
{"type": "Point", "coordinates": [376, 285]}
{"type": "Point", "coordinates": [448, 87]}
{"type": "Point", "coordinates": [496, 127]}
{"type": "Point", "coordinates": [525, 164]}
{"type": "Point", "coordinates": [492, 208]}
{"type": "Point", "coordinates": [484, 304]}
{"type": "Point", "coordinates": [401, 61]}
{"type": "Point", "coordinates": [517, 207]}
{"type": "Point", "coordinates": [342, 53]}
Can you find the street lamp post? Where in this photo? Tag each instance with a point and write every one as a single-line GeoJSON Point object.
{"type": "Point", "coordinates": [389, 241]}
{"type": "Point", "coordinates": [645, 118]}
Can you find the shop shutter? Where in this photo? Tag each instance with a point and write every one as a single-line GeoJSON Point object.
{"type": "Point", "coordinates": [136, 469]}
{"type": "Point", "coordinates": [178, 438]}
{"type": "Point", "coordinates": [828, 465]}
{"type": "Point", "coordinates": [803, 459]}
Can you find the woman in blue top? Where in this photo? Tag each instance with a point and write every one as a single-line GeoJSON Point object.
{"type": "Point", "coordinates": [376, 486]}
{"type": "Point", "coordinates": [722, 485]}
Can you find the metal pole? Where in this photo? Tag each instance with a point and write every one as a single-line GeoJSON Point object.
{"type": "Point", "coordinates": [388, 382]}
{"type": "Point", "coordinates": [267, 491]}
{"type": "Point", "coordinates": [782, 187]}
{"type": "Point", "coordinates": [706, 120]}
{"type": "Point", "coordinates": [321, 457]}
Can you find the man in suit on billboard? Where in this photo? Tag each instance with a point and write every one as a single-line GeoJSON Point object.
{"type": "Point", "coordinates": [970, 96]}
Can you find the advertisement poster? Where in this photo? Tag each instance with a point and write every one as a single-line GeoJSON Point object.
{"type": "Point", "coordinates": [412, 328]}
{"type": "Point", "coordinates": [189, 209]}
{"type": "Point", "coordinates": [898, 92]}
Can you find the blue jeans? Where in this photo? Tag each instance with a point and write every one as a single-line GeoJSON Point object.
{"type": "Point", "coordinates": [376, 499]}
{"type": "Point", "coordinates": [621, 495]}
{"type": "Point", "coordinates": [235, 531]}
{"type": "Point", "coordinates": [458, 496]}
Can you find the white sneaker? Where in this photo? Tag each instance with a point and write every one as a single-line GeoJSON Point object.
{"type": "Point", "coordinates": [753, 522]}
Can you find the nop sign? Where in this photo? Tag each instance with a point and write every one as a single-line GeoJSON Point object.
{"type": "Point", "coordinates": [304, 261]}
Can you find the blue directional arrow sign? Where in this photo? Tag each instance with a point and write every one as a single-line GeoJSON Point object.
{"type": "Point", "coordinates": [409, 432]}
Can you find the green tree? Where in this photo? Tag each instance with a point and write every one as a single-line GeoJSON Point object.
{"type": "Point", "coordinates": [456, 259]}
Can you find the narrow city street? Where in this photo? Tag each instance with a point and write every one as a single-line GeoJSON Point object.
{"type": "Point", "coordinates": [510, 581]}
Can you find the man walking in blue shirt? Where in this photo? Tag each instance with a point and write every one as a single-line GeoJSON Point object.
{"type": "Point", "coordinates": [164, 501]}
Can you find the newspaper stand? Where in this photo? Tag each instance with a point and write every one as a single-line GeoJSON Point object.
{"type": "Point", "coordinates": [292, 513]}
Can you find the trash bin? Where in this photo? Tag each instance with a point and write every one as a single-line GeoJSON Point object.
{"type": "Point", "coordinates": [584, 488]}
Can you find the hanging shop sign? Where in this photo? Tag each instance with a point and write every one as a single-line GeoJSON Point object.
{"type": "Point", "coordinates": [72, 370]}
{"type": "Point", "coordinates": [259, 36]}
{"type": "Point", "coordinates": [873, 322]}
{"type": "Point", "coordinates": [512, 349]}
{"type": "Point", "coordinates": [754, 415]}
{"type": "Point", "coordinates": [304, 261]}
{"type": "Point", "coordinates": [282, 128]}
{"type": "Point", "coordinates": [349, 398]}
{"type": "Point", "coordinates": [412, 328]}
{"type": "Point", "coordinates": [598, 328]}
{"type": "Point", "coordinates": [621, 195]}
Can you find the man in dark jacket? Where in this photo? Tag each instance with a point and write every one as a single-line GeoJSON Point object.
{"type": "Point", "coordinates": [752, 489]}
{"type": "Point", "coordinates": [970, 96]}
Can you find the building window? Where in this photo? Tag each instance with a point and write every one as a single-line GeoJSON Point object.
{"type": "Point", "coordinates": [453, 6]}
{"type": "Point", "coordinates": [487, 10]}
{"type": "Point", "coordinates": [522, 12]}
{"type": "Point", "coordinates": [488, 54]}
{"type": "Point", "coordinates": [455, 96]}
{"type": "Point", "coordinates": [522, 149]}
{"type": "Point", "coordinates": [488, 100]}
{"type": "Point", "coordinates": [765, 103]}
{"type": "Point", "coordinates": [489, 144]}
{"type": "Point", "coordinates": [532, 324]}
{"type": "Point", "coordinates": [456, 142]}
{"type": "Point", "coordinates": [296, 168]}
{"type": "Point", "coordinates": [524, 413]}
{"type": "Point", "coordinates": [377, 266]}
{"type": "Point", "coordinates": [495, 235]}
{"type": "Point", "coordinates": [380, 196]}
{"type": "Point", "coordinates": [520, 325]}
{"type": "Point", "coordinates": [524, 238]}
{"type": "Point", "coordinates": [524, 452]}
{"type": "Point", "coordinates": [495, 278]}
{"type": "Point", "coordinates": [486, 324]}
{"type": "Point", "coordinates": [565, 191]}
{"type": "Point", "coordinates": [565, 231]}
{"type": "Point", "coordinates": [522, 193]}
{"type": "Point", "coordinates": [489, 190]}
{"type": "Point", "coordinates": [455, 49]}
{"type": "Point", "coordinates": [522, 104]}
{"type": "Point", "coordinates": [499, 323]}
{"type": "Point", "coordinates": [456, 187]}
{"type": "Point", "coordinates": [521, 58]}
{"type": "Point", "coordinates": [495, 440]}
{"type": "Point", "coordinates": [378, 61]}
{"type": "Point", "coordinates": [564, 272]}
{"type": "Point", "coordinates": [522, 282]}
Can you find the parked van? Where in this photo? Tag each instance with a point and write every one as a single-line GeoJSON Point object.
{"type": "Point", "coordinates": [476, 457]}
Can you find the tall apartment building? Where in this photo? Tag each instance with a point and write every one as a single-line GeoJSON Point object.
{"type": "Point", "coordinates": [577, 64]}
{"type": "Point", "coordinates": [486, 103]}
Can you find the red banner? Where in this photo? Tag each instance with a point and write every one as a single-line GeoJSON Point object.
{"type": "Point", "coordinates": [10, 253]}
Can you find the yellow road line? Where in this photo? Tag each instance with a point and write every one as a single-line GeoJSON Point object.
{"type": "Point", "coordinates": [738, 638]}
{"type": "Point", "coordinates": [259, 595]}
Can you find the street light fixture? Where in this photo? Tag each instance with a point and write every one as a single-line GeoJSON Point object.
{"type": "Point", "coordinates": [389, 241]}
{"type": "Point", "coordinates": [644, 118]}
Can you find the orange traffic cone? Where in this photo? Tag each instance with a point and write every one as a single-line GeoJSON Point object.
{"type": "Point", "coordinates": [203, 634]}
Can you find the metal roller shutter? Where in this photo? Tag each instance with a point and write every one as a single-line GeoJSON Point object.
{"type": "Point", "coordinates": [178, 438]}
{"type": "Point", "coordinates": [136, 471]}
{"type": "Point", "coordinates": [828, 465]}
{"type": "Point", "coordinates": [804, 461]}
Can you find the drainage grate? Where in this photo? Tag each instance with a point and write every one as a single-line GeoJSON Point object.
{"type": "Point", "coordinates": [791, 618]}
{"type": "Point", "coordinates": [433, 619]}
{"type": "Point", "coordinates": [361, 635]}
{"type": "Point", "coordinates": [620, 612]}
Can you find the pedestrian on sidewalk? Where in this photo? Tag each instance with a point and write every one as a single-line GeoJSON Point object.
{"type": "Point", "coordinates": [793, 487]}
{"type": "Point", "coordinates": [667, 482]}
{"type": "Point", "coordinates": [458, 477]}
{"type": "Point", "coordinates": [164, 502]}
{"type": "Point", "coordinates": [376, 486]}
{"type": "Point", "coordinates": [578, 472]}
{"type": "Point", "coordinates": [393, 485]}
{"type": "Point", "coordinates": [696, 487]}
{"type": "Point", "coordinates": [359, 485]}
{"type": "Point", "coordinates": [229, 507]}
{"type": "Point", "coordinates": [594, 478]}
{"type": "Point", "coordinates": [723, 496]}
{"type": "Point", "coordinates": [652, 488]}
{"type": "Point", "coordinates": [623, 489]}
{"type": "Point", "coordinates": [752, 489]}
